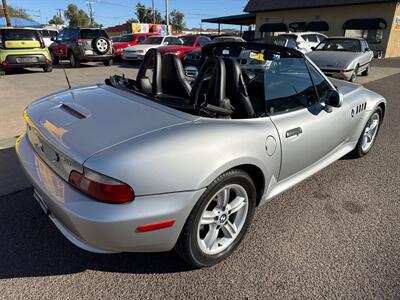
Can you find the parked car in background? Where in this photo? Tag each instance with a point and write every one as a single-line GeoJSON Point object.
{"type": "Point", "coordinates": [81, 44]}
{"type": "Point", "coordinates": [137, 53]}
{"type": "Point", "coordinates": [23, 48]}
{"type": "Point", "coordinates": [343, 58]}
{"type": "Point", "coordinates": [283, 41]}
{"type": "Point", "coordinates": [306, 40]}
{"type": "Point", "coordinates": [189, 43]}
{"type": "Point", "coordinates": [48, 35]}
{"type": "Point", "coordinates": [116, 39]}
{"type": "Point", "coordinates": [128, 40]}
{"type": "Point", "coordinates": [227, 38]}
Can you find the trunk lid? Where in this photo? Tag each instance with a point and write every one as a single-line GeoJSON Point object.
{"type": "Point", "coordinates": [81, 122]}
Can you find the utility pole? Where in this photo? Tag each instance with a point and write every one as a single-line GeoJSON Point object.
{"type": "Point", "coordinates": [154, 13]}
{"type": "Point", "coordinates": [59, 12]}
{"type": "Point", "coordinates": [6, 12]}
{"type": "Point", "coordinates": [167, 15]}
{"type": "Point", "coordinates": [91, 11]}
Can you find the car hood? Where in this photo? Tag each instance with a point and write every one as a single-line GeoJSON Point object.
{"type": "Point", "coordinates": [176, 48]}
{"type": "Point", "coordinates": [141, 47]}
{"type": "Point", "coordinates": [332, 59]}
{"type": "Point", "coordinates": [83, 121]}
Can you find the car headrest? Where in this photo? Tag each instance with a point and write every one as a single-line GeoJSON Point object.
{"type": "Point", "coordinates": [173, 77]}
{"type": "Point", "coordinates": [152, 61]}
{"type": "Point", "coordinates": [210, 83]}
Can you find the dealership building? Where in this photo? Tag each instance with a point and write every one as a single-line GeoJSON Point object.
{"type": "Point", "coordinates": [378, 21]}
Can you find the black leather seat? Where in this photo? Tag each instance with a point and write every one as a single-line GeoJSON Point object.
{"type": "Point", "coordinates": [173, 78]}
{"type": "Point", "coordinates": [208, 92]}
{"type": "Point", "coordinates": [236, 91]}
{"type": "Point", "coordinates": [152, 62]}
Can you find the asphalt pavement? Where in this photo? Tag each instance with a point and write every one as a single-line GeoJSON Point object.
{"type": "Point", "coordinates": [336, 235]}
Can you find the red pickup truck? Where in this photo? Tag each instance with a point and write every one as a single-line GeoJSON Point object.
{"type": "Point", "coordinates": [189, 43]}
{"type": "Point", "coordinates": [129, 40]}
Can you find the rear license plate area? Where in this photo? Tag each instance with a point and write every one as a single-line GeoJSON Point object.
{"type": "Point", "coordinates": [88, 52]}
{"type": "Point", "coordinates": [22, 60]}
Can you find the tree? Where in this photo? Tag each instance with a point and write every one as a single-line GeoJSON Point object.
{"type": "Point", "coordinates": [15, 12]}
{"type": "Point", "coordinates": [56, 20]}
{"type": "Point", "coordinates": [176, 19]}
{"type": "Point", "coordinates": [76, 16]}
{"type": "Point", "coordinates": [145, 14]}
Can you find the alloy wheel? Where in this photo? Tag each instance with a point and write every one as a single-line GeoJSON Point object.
{"type": "Point", "coordinates": [223, 219]}
{"type": "Point", "coordinates": [370, 132]}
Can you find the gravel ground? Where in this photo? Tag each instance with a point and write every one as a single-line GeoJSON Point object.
{"type": "Point", "coordinates": [336, 235]}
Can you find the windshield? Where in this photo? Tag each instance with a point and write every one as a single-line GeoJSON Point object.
{"type": "Point", "coordinates": [227, 39]}
{"type": "Point", "coordinates": [93, 33]}
{"type": "Point", "coordinates": [19, 35]}
{"type": "Point", "coordinates": [188, 40]}
{"type": "Point", "coordinates": [153, 40]}
{"type": "Point", "coordinates": [351, 45]}
{"type": "Point", "coordinates": [127, 38]}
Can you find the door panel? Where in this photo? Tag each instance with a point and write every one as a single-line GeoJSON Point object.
{"type": "Point", "coordinates": [308, 135]}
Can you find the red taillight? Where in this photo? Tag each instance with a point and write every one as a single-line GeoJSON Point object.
{"type": "Point", "coordinates": [298, 43]}
{"type": "Point", "coordinates": [4, 64]}
{"type": "Point", "coordinates": [42, 44]}
{"type": "Point", "coordinates": [79, 42]}
{"type": "Point", "coordinates": [101, 187]}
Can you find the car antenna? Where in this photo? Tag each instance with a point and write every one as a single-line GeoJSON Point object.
{"type": "Point", "coordinates": [66, 76]}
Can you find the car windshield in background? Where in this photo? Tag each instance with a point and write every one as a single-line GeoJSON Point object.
{"type": "Point", "coordinates": [188, 40]}
{"type": "Point", "coordinates": [92, 34]}
{"type": "Point", "coordinates": [19, 35]}
{"type": "Point", "coordinates": [227, 39]}
{"type": "Point", "coordinates": [153, 40]}
{"type": "Point", "coordinates": [127, 38]}
{"type": "Point", "coordinates": [351, 45]}
{"type": "Point", "coordinates": [116, 39]}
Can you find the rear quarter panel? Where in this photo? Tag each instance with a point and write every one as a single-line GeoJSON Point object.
{"type": "Point", "coordinates": [190, 156]}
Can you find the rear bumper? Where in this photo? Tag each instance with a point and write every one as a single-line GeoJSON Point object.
{"type": "Point", "coordinates": [96, 57]}
{"type": "Point", "coordinates": [21, 61]}
{"type": "Point", "coordinates": [100, 227]}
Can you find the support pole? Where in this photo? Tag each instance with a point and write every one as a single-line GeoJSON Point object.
{"type": "Point", "coordinates": [6, 12]}
{"type": "Point", "coordinates": [167, 15]}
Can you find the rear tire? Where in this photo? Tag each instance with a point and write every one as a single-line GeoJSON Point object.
{"type": "Point", "coordinates": [74, 62]}
{"type": "Point", "coordinates": [368, 135]}
{"type": "Point", "coordinates": [55, 59]}
{"type": "Point", "coordinates": [108, 62]}
{"type": "Point", "coordinates": [219, 220]}
{"type": "Point", "coordinates": [48, 68]}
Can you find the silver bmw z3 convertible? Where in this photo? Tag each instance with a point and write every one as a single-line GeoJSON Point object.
{"type": "Point", "coordinates": [162, 162]}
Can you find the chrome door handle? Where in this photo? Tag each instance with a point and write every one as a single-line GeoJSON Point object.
{"type": "Point", "coordinates": [293, 132]}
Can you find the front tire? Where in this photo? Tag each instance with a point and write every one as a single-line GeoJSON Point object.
{"type": "Point", "coordinates": [368, 135]}
{"type": "Point", "coordinates": [366, 71]}
{"type": "Point", "coordinates": [353, 77]}
{"type": "Point", "coordinates": [219, 221]}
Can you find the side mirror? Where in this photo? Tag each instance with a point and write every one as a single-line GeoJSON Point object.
{"type": "Point", "coordinates": [333, 99]}
{"type": "Point", "coordinates": [313, 48]}
{"type": "Point", "coordinates": [166, 43]}
{"type": "Point", "coordinates": [52, 39]}
{"type": "Point", "coordinates": [367, 49]}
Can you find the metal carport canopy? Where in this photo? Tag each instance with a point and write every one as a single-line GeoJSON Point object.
{"type": "Point", "coordinates": [242, 19]}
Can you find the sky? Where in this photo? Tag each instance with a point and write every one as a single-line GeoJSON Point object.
{"type": "Point", "coordinates": [114, 12]}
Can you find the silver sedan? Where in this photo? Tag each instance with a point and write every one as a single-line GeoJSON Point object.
{"type": "Point", "coordinates": [343, 58]}
{"type": "Point", "coordinates": [155, 164]}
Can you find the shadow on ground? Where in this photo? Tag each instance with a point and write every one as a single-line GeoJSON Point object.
{"type": "Point", "coordinates": [32, 246]}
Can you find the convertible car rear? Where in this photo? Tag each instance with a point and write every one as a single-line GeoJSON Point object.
{"type": "Point", "coordinates": [161, 162]}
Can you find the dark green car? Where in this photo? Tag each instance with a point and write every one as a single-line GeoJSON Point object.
{"type": "Point", "coordinates": [23, 48]}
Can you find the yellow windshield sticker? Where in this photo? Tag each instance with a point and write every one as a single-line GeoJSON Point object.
{"type": "Point", "coordinates": [257, 56]}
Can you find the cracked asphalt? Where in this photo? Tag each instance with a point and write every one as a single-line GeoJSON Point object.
{"type": "Point", "coordinates": [336, 235]}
